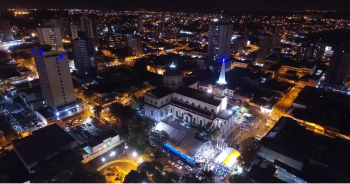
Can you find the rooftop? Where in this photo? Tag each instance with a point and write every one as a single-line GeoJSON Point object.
{"type": "Point", "coordinates": [53, 137]}
{"type": "Point", "coordinates": [172, 72]}
{"type": "Point", "coordinates": [198, 95]}
{"type": "Point", "coordinates": [160, 92]}
{"type": "Point", "coordinates": [30, 149]}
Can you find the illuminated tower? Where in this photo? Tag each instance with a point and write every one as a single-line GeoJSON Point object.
{"type": "Point", "coordinates": [220, 88]}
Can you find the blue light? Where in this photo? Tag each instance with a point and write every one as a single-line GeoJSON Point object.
{"type": "Point", "coordinates": [41, 53]}
{"type": "Point", "coordinates": [60, 57]}
{"type": "Point", "coordinates": [178, 153]}
{"type": "Point", "coordinates": [223, 60]}
{"type": "Point", "coordinates": [33, 50]}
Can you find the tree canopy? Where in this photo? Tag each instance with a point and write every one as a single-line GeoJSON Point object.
{"type": "Point", "coordinates": [97, 110]}
{"type": "Point", "coordinates": [248, 148]}
{"type": "Point", "coordinates": [215, 134]}
{"type": "Point", "coordinates": [136, 177]}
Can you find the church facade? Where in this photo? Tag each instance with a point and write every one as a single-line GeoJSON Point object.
{"type": "Point", "coordinates": [190, 105]}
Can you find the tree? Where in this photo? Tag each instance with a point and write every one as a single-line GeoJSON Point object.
{"type": "Point", "coordinates": [208, 176]}
{"type": "Point", "coordinates": [157, 165]}
{"type": "Point", "coordinates": [169, 177]}
{"type": "Point", "coordinates": [83, 176]}
{"type": "Point", "coordinates": [215, 134]}
{"type": "Point", "coordinates": [245, 107]}
{"type": "Point", "coordinates": [136, 177]}
{"type": "Point", "coordinates": [157, 176]}
{"type": "Point", "coordinates": [158, 137]}
{"type": "Point", "coordinates": [249, 148]}
{"type": "Point", "coordinates": [97, 111]}
{"type": "Point", "coordinates": [189, 178]}
{"type": "Point", "coordinates": [236, 178]}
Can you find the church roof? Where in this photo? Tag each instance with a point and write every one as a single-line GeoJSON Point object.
{"type": "Point", "coordinates": [198, 95]}
{"type": "Point", "coordinates": [161, 92]}
{"type": "Point", "coordinates": [172, 72]}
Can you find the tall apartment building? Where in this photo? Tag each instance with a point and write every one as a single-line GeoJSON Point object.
{"type": "Point", "coordinates": [239, 44]}
{"type": "Point", "coordinates": [135, 45]}
{"type": "Point", "coordinates": [84, 56]}
{"type": "Point", "coordinates": [219, 42]}
{"type": "Point", "coordinates": [88, 25]}
{"type": "Point", "coordinates": [275, 41]}
{"type": "Point", "coordinates": [264, 48]}
{"type": "Point", "coordinates": [74, 29]}
{"type": "Point", "coordinates": [55, 80]}
{"type": "Point", "coordinates": [5, 30]}
{"type": "Point", "coordinates": [339, 68]}
{"type": "Point", "coordinates": [140, 24]}
{"type": "Point", "coordinates": [305, 52]}
{"type": "Point", "coordinates": [50, 36]}
{"type": "Point", "coordinates": [63, 25]}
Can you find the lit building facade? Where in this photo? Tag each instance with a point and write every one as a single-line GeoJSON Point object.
{"type": "Point", "coordinates": [339, 68]}
{"type": "Point", "coordinates": [50, 36]}
{"type": "Point", "coordinates": [135, 45]}
{"type": "Point", "coordinates": [74, 29]}
{"type": "Point", "coordinates": [264, 48]}
{"type": "Point", "coordinates": [189, 104]}
{"type": "Point", "coordinates": [5, 30]}
{"type": "Point", "coordinates": [84, 56]}
{"type": "Point", "coordinates": [63, 25]}
{"type": "Point", "coordinates": [55, 80]}
{"type": "Point", "coordinates": [88, 25]}
{"type": "Point", "coordinates": [219, 41]}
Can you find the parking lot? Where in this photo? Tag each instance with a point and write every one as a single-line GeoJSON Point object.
{"type": "Point", "coordinates": [20, 117]}
{"type": "Point", "coordinates": [84, 132]}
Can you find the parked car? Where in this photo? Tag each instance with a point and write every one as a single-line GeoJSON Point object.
{"type": "Point", "coordinates": [178, 166]}
{"type": "Point", "coordinates": [188, 168]}
{"type": "Point", "coordinates": [171, 162]}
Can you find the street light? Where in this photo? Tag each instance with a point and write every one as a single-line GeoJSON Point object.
{"type": "Point", "coordinates": [103, 159]}
{"type": "Point", "coordinates": [134, 154]}
{"type": "Point", "coordinates": [112, 154]}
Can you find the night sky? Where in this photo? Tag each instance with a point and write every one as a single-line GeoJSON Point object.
{"type": "Point", "coordinates": [186, 5]}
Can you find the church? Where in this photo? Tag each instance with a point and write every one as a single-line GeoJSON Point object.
{"type": "Point", "coordinates": [190, 105]}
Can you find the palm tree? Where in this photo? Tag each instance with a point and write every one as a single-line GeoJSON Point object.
{"type": "Point", "coordinates": [98, 110]}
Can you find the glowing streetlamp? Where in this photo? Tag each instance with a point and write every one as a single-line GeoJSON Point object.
{"type": "Point", "coordinates": [112, 154]}
{"type": "Point", "coordinates": [134, 154]}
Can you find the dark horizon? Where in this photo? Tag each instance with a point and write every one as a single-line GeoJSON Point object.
{"type": "Point", "coordinates": [182, 5]}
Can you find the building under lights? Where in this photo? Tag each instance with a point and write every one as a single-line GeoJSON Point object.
{"type": "Point", "coordinates": [55, 80]}
{"type": "Point", "coordinates": [219, 41]}
{"type": "Point", "coordinates": [190, 105]}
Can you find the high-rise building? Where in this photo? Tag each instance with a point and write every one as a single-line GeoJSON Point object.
{"type": "Point", "coordinates": [339, 68]}
{"type": "Point", "coordinates": [140, 24]}
{"type": "Point", "coordinates": [135, 45]}
{"type": "Point", "coordinates": [5, 30]}
{"type": "Point", "coordinates": [320, 49]}
{"type": "Point", "coordinates": [74, 29]}
{"type": "Point", "coordinates": [305, 51]}
{"type": "Point", "coordinates": [88, 25]}
{"type": "Point", "coordinates": [84, 56]}
{"type": "Point", "coordinates": [276, 41]}
{"type": "Point", "coordinates": [264, 48]}
{"type": "Point", "coordinates": [63, 25]}
{"type": "Point", "coordinates": [55, 80]}
{"type": "Point", "coordinates": [239, 44]}
{"type": "Point", "coordinates": [50, 36]}
{"type": "Point", "coordinates": [219, 42]}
